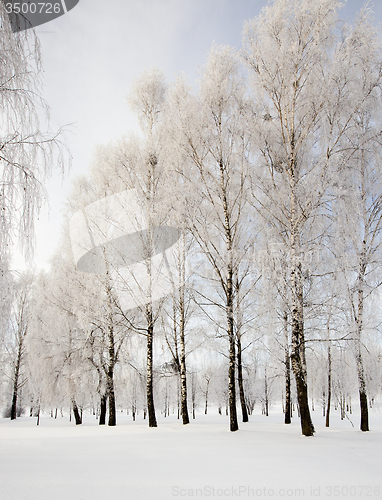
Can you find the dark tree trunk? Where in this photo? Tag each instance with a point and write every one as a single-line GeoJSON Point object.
{"type": "Point", "coordinates": [149, 388]}
{"type": "Point", "coordinates": [244, 411]}
{"type": "Point", "coordinates": [193, 394]}
{"type": "Point", "coordinates": [266, 394]}
{"type": "Point", "coordinates": [228, 287]}
{"type": "Point", "coordinates": [288, 406]}
{"type": "Point", "coordinates": [112, 410]}
{"type": "Point", "coordinates": [14, 404]}
{"type": "Point", "coordinates": [364, 408]}
{"type": "Point", "coordinates": [364, 426]}
{"type": "Point", "coordinates": [307, 427]}
{"type": "Point", "coordinates": [110, 380]}
{"type": "Point", "coordinates": [342, 406]}
{"type": "Point", "coordinates": [112, 355]}
{"type": "Point", "coordinates": [76, 412]}
{"type": "Point", "coordinates": [178, 395]}
{"type": "Point", "coordinates": [183, 370]}
{"type": "Point", "coordinates": [298, 353]}
{"type": "Point", "coordinates": [102, 413]}
{"type": "Point", "coordinates": [16, 377]}
{"type": "Point", "coordinates": [323, 403]}
{"type": "Point", "coordinates": [165, 400]}
{"type": "Point", "coordinates": [206, 396]}
{"type": "Point", "coordinates": [298, 341]}
{"type": "Point", "coordinates": [327, 420]}
{"type": "Point", "coordinates": [234, 426]}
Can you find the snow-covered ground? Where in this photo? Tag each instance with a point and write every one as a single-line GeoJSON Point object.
{"type": "Point", "coordinates": [265, 459]}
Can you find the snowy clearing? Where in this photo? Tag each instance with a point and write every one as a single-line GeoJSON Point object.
{"type": "Point", "coordinates": [58, 460]}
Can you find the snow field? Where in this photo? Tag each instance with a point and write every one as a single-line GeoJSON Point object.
{"type": "Point", "coordinates": [265, 459]}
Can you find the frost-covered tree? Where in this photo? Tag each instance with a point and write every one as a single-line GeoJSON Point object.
{"type": "Point", "coordinates": [311, 76]}
{"type": "Point", "coordinates": [14, 362]}
{"type": "Point", "coordinates": [28, 152]}
{"type": "Point", "coordinates": [359, 213]}
{"type": "Point", "coordinates": [210, 132]}
{"type": "Point", "coordinates": [180, 306]}
{"type": "Point", "coordinates": [137, 165]}
{"type": "Point", "coordinates": [56, 357]}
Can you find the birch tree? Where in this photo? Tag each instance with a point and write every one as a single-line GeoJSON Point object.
{"type": "Point", "coordinates": [210, 132]}
{"type": "Point", "coordinates": [310, 77]}
{"type": "Point", "coordinates": [358, 248]}
{"type": "Point", "coordinates": [27, 151]}
{"type": "Point", "coordinates": [15, 337]}
{"type": "Point", "coordinates": [174, 320]}
{"type": "Point", "coordinates": [55, 355]}
{"type": "Point", "coordinates": [137, 164]}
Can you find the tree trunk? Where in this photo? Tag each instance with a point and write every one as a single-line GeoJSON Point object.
{"type": "Point", "coordinates": [307, 427]}
{"type": "Point", "coordinates": [183, 380]}
{"type": "Point", "coordinates": [298, 341]}
{"type": "Point", "coordinates": [244, 410]}
{"type": "Point", "coordinates": [288, 409]}
{"type": "Point", "coordinates": [228, 287]}
{"type": "Point", "coordinates": [266, 394]}
{"type": "Point", "coordinates": [298, 353]}
{"type": "Point", "coordinates": [364, 426]}
{"type": "Point", "coordinates": [178, 397]}
{"type": "Point", "coordinates": [329, 387]}
{"type": "Point", "coordinates": [193, 394]}
{"type": "Point", "coordinates": [112, 410]}
{"type": "Point", "coordinates": [102, 413]}
{"type": "Point", "coordinates": [16, 377]}
{"type": "Point", "coordinates": [76, 412]}
{"type": "Point", "coordinates": [206, 395]}
{"type": "Point", "coordinates": [288, 406]}
{"type": "Point", "coordinates": [234, 426]}
{"type": "Point", "coordinates": [111, 352]}
{"type": "Point", "coordinates": [110, 380]}
{"type": "Point", "coordinates": [14, 404]}
{"type": "Point", "coordinates": [364, 411]}
{"type": "Point", "coordinates": [323, 403]}
{"type": "Point", "coordinates": [183, 370]}
{"type": "Point", "coordinates": [149, 388]}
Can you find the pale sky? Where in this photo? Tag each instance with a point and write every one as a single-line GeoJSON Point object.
{"type": "Point", "coordinates": [91, 56]}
